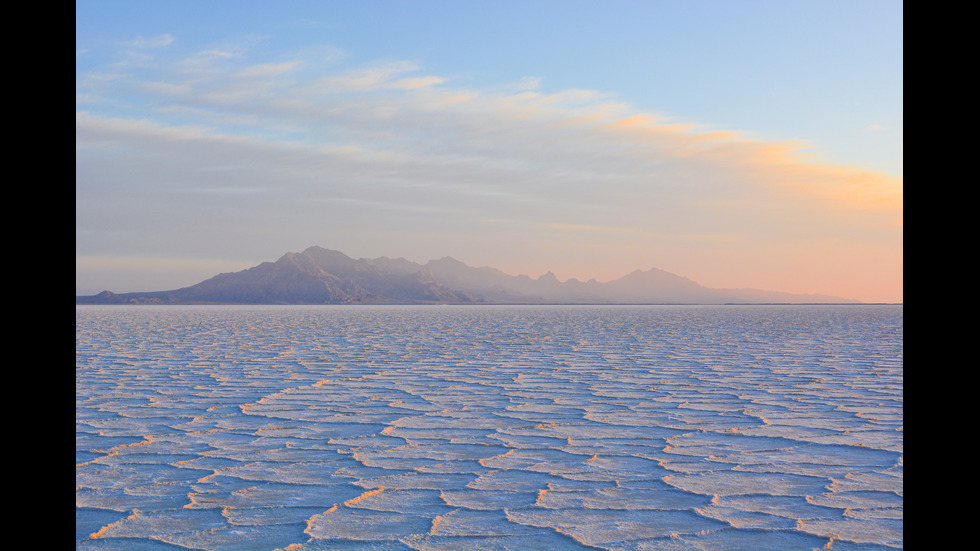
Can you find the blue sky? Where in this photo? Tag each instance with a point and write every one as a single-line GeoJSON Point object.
{"type": "Point", "coordinates": [713, 139]}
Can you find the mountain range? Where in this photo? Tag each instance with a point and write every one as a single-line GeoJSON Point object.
{"type": "Point", "coordinates": [323, 276]}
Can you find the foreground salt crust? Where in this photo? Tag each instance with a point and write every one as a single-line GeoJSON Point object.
{"type": "Point", "coordinates": [648, 428]}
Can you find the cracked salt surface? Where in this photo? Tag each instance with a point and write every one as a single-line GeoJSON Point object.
{"type": "Point", "coordinates": [491, 427]}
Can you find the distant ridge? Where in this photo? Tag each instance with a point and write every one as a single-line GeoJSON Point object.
{"type": "Point", "coordinates": [324, 276]}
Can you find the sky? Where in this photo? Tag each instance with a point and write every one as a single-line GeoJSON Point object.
{"type": "Point", "coordinates": [739, 143]}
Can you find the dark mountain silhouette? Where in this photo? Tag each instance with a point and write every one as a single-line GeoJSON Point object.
{"type": "Point", "coordinates": [323, 276]}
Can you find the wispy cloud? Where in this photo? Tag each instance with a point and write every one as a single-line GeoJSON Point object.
{"type": "Point", "coordinates": [337, 148]}
{"type": "Point", "coordinates": [158, 41]}
{"type": "Point", "coordinates": [389, 76]}
{"type": "Point", "coordinates": [270, 69]}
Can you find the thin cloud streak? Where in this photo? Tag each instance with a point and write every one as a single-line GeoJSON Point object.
{"type": "Point", "coordinates": [333, 148]}
{"type": "Point", "coordinates": [270, 69]}
{"type": "Point", "coordinates": [158, 41]}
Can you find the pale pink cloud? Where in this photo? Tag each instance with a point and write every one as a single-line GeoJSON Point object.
{"type": "Point", "coordinates": [575, 181]}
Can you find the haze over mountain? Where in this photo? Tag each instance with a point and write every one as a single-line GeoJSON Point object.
{"type": "Point", "coordinates": [323, 276]}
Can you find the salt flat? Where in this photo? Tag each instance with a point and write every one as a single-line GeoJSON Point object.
{"type": "Point", "coordinates": [489, 427]}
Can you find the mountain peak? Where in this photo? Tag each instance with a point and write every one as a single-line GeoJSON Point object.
{"type": "Point", "coordinates": [447, 261]}
{"type": "Point", "coordinates": [321, 252]}
{"type": "Point", "coordinates": [323, 276]}
{"type": "Point", "coordinates": [549, 276]}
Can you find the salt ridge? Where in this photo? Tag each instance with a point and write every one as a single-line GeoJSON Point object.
{"type": "Point", "coordinates": [489, 427]}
